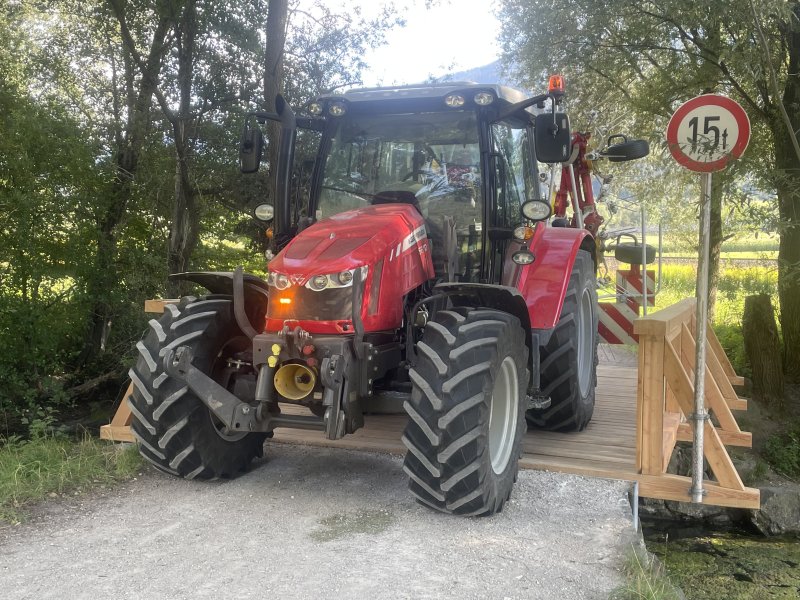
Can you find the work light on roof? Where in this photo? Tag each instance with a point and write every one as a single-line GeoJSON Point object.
{"type": "Point", "coordinates": [454, 100]}
{"type": "Point", "coordinates": [337, 109]}
{"type": "Point", "coordinates": [483, 98]}
{"type": "Point", "coordinates": [315, 109]}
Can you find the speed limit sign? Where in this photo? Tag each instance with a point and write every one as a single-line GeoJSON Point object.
{"type": "Point", "coordinates": [707, 132]}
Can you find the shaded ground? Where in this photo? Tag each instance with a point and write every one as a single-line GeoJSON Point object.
{"type": "Point", "coordinates": [314, 523]}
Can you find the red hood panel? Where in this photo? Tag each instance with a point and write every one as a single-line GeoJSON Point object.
{"type": "Point", "coordinates": [347, 240]}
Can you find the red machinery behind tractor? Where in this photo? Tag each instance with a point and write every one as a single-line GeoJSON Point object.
{"type": "Point", "coordinates": [415, 260]}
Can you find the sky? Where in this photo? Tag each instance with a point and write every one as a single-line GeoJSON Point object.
{"type": "Point", "coordinates": [454, 35]}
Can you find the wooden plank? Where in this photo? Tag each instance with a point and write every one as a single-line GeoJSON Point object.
{"type": "Point", "coordinates": [743, 439]}
{"type": "Point", "coordinates": [664, 322]}
{"type": "Point", "coordinates": [670, 437]}
{"type": "Point", "coordinates": [723, 380]}
{"type": "Point", "coordinates": [158, 305]}
{"type": "Point", "coordinates": [650, 404]}
{"type": "Point", "coordinates": [719, 460]}
{"type": "Point", "coordinates": [719, 352]}
{"type": "Point", "coordinates": [713, 395]}
{"type": "Point", "coordinates": [678, 380]}
{"type": "Point", "coordinates": [116, 433]}
{"type": "Point", "coordinates": [123, 415]}
{"type": "Point", "coordinates": [675, 487]}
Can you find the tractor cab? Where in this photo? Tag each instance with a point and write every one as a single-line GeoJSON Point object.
{"type": "Point", "coordinates": [462, 154]}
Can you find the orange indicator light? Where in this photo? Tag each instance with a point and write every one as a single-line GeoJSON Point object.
{"type": "Point", "coordinates": [285, 300]}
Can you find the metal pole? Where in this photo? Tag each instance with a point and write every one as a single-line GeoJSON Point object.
{"type": "Point", "coordinates": [700, 415]}
{"type": "Point", "coordinates": [644, 261]}
{"type": "Point", "coordinates": [551, 189]}
{"type": "Point", "coordinates": [575, 206]}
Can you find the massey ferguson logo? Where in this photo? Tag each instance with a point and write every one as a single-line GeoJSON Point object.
{"type": "Point", "coordinates": [297, 279]}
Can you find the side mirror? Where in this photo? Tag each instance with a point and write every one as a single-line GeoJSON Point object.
{"type": "Point", "coordinates": [251, 147]}
{"type": "Point", "coordinates": [626, 149]}
{"type": "Point", "coordinates": [552, 138]}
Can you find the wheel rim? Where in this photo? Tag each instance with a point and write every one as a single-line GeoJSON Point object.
{"type": "Point", "coordinates": [585, 339]}
{"type": "Point", "coordinates": [503, 415]}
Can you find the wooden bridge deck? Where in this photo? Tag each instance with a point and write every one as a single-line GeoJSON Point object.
{"type": "Point", "coordinates": [606, 448]}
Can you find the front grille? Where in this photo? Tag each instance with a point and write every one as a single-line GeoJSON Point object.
{"type": "Point", "coordinates": [335, 304]}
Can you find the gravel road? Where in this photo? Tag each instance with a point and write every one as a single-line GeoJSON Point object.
{"type": "Point", "coordinates": [318, 523]}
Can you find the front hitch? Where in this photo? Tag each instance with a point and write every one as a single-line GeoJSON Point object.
{"type": "Point", "coordinates": [235, 414]}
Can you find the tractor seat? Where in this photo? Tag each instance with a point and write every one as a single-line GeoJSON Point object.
{"type": "Point", "coordinates": [397, 197]}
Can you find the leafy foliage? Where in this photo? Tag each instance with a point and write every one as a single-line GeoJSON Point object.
{"type": "Point", "coordinates": [89, 160]}
{"type": "Point", "coordinates": [782, 451]}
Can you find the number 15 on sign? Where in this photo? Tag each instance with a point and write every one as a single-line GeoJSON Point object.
{"type": "Point", "coordinates": [707, 132]}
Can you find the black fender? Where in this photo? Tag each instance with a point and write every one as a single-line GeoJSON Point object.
{"type": "Point", "coordinates": [248, 307]}
{"type": "Point", "coordinates": [221, 282]}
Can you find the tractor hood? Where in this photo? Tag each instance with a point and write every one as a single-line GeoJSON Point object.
{"type": "Point", "coordinates": [350, 239]}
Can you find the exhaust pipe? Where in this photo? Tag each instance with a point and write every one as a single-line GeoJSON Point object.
{"type": "Point", "coordinates": [295, 381]}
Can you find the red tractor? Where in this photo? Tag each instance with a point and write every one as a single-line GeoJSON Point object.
{"type": "Point", "coordinates": [414, 260]}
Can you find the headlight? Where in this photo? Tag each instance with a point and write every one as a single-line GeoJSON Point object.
{"type": "Point", "coordinates": [483, 98]}
{"type": "Point", "coordinates": [279, 280]}
{"type": "Point", "coordinates": [315, 108]}
{"type": "Point", "coordinates": [335, 280]}
{"type": "Point", "coordinates": [264, 212]}
{"type": "Point", "coordinates": [318, 282]}
{"type": "Point", "coordinates": [523, 257]}
{"type": "Point", "coordinates": [337, 109]}
{"type": "Point", "coordinates": [454, 100]}
{"type": "Point", "coordinates": [536, 210]}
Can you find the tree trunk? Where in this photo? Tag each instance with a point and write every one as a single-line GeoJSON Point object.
{"type": "Point", "coordinates": [763, 349]}
{"type": "Point", "coordinates": [787, 165]}
{"type": "Point", "coordinates": [185, 225]}
{"type": "Point", "coordinates": [105, 278]}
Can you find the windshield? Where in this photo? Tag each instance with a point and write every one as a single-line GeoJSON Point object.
{"type": "Point", "coordinates": [428, 159]}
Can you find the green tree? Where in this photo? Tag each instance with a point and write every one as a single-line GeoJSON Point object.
{"type": "Point", "coordinates": [649, 56]}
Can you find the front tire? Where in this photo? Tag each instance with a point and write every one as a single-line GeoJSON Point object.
{"type": "Point", "coordinates": [176, 432]}
{"type": "Point", "coordinates": [568, 366]}
{"type": "Point", "coordinates": [466, 412]}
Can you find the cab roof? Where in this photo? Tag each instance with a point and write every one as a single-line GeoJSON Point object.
{"type": "Point", "coordinates": [421, 97]}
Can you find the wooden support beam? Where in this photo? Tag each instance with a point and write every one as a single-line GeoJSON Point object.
{"type": "Point", "coordinates": [670, 436]}
{"type": "Point", "coordinates": [742, 439]}
{"type": "Point", "coordinates": [157, 305]}
{"type": "Point", "coordinates": [119, 428]}
{"type": "Point", "coordinates": [719, 460]}
{"type": "Point", "coordinates": [664, 322]}
{"type": "Point", "coordinates": [650, 405]}
{"type": "Point", "coordinates": [713, 395]}
{"type": "Point", "coordinates": [676, 487]}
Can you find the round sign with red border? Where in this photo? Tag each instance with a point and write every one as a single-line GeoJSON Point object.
{"type": "Point", "coordinates": [707, 132]}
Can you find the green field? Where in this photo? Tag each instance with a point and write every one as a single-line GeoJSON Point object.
{"type": "Point", "coordinates": [735, 283]}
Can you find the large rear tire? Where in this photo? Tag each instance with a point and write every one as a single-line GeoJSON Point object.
{"type": "Point", "coordinates": [568, 366]}
{"type": "Point", "coordinates": [466, 412]}
{"type": "Point", "coordinates": [176, 432]}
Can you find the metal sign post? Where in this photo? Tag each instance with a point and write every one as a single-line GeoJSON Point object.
{"type": "Point", "coordinates": [704, 134]}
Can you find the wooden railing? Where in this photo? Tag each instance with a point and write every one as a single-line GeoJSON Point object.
{"type": "Point", "coordinates": [665, 399]}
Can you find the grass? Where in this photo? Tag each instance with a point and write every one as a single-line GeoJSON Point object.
{"type": "Point", "coordinates": [50, 466]}
{"type": "Point", "coordinates": [646, 579]}
{"type": "Point", "coordinates": [735, 283]}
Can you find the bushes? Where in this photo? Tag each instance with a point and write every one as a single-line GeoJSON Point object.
{"type": "Point", "coordinates": [782, 451]}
